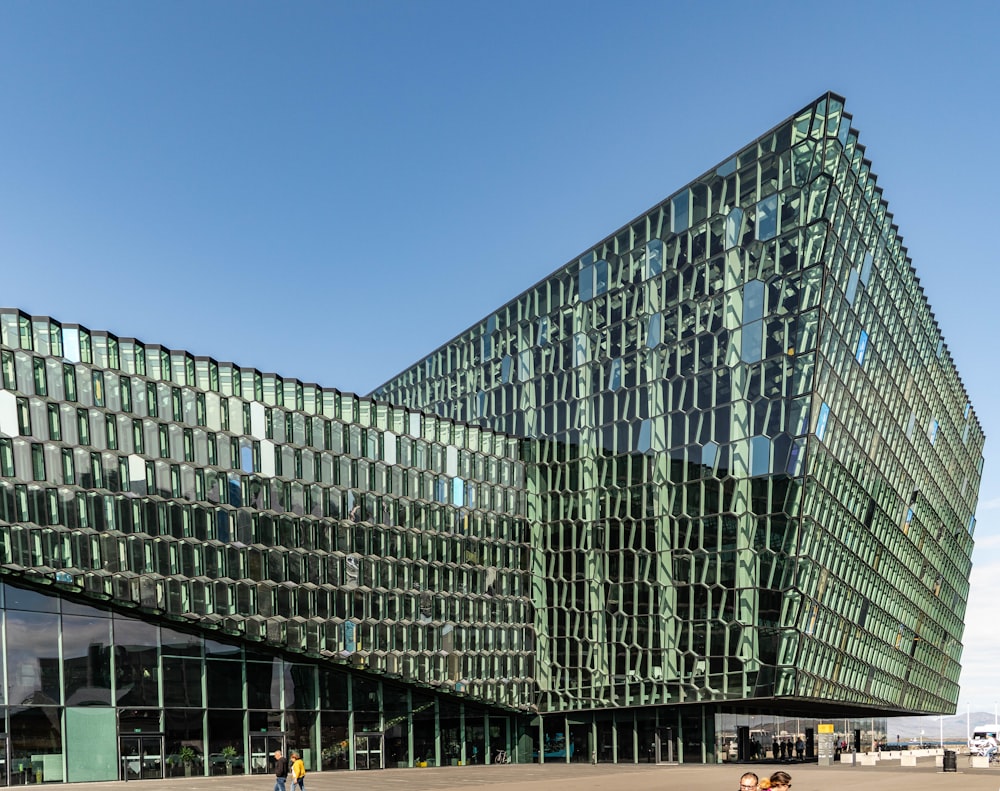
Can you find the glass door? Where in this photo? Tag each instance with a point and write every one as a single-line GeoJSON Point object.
{"type": "Point", "coordinates": [141, 757]}
{"type": "Point", "coordinates": [368, 751]}
{"type": "Point", "coordinates": [262, 749]}
{"type": "Point", "coordinates": [4, 760]}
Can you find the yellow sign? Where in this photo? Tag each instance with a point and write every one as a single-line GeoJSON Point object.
{"type": "Point", "coordinates": [824, 727]}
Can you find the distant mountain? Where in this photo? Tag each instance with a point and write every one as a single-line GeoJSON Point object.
{"type": "Point", "coordinates": [906, 729]}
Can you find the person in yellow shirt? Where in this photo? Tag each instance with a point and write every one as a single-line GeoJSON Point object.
{"type": "Point", "coordinates": [298, 772]}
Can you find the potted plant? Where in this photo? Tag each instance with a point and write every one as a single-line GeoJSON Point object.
{"type": "Point", "coordinates": [229, 753]}
{"type": "Point", "coordinates": [187, 755]}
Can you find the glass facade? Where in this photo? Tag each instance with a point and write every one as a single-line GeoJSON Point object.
{"type": "Point", "coordinates": [717, 472]}
{"type": "Point", "coordinates": [755, 469]}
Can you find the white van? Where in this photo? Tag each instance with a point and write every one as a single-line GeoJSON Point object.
{"type": "Point", "coordinates": [984, 737]}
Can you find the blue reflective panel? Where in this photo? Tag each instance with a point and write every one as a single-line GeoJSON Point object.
{"type": "Point", "coordinates": [586, 283]}
{"type": "Point", "coordinates": [709, 453]}
{"type": "Point", "coordinates": [543, 330]}
{"type": "Point", "coordinates": [753, 301]}
{"type": "Point", "coordinates": [821, 421]}
{"type": "Point", "coordinates": [932, 430]}
{"type": "Point", "coordinates": [246, 458]}
{"type": "Point", "coordinates": [852, 287]}
{"type": "Point", "coordinates": [861, 348]}
{"type": "Point", "coordinates": [487, 347]}
{"type": "Point", "coordinates": [753, 340]}
{"type": "Point", "coordinates": [726, 168]}
{"type": "Point", "coordinates": [505, 369]}
{"type": "Point", "coordinates": [734, 223]}
{"type": "Point", "coordinates": [795, 456]}
{"type": "Point", "coordinates": [615, 375]}
{"type": "Point", "coordinates": [458, 491]}
{"type": "Point", "coordinates": [866, 268]}
{"type": "Point", "coordinates": [679, 220]}
{"type": "Point", "coordinates": [645, 432]}
{"type": "Point", "coordinates": [601, 271]}
{"type": "Point", "coordinates": [968, 408]}
{"type": "Point", "coordinates": [767, 218]}
{"type": "Point", "coordinates": [654, 258]}
{"type": "Point", "coordinates": [481, 403]}
{"type": "Point", "coordinates": [653, 331]}
{"type": "Point", "coordinates": [760, 455]}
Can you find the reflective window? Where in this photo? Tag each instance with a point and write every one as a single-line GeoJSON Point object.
{"type": "Point", "coordinates": [821, 421]}
{"type": "Point", "coordinates": [734, 227]}
{"type": "Point", "coordinates": [767, 218]}
{"type": "Point", "coordinates": [654, 258]}
{"type": "Point", "coordinates": [87, 660]}
{"type": "Point", "coordinates": [852, 287]}
{"type": "Point", "coordinates": [224, 684]}
{"type": "Point", "coordinates": [760, 455]}
{"type": "Point", "coordinates": [653, 330]}
{"type": "Point", "coordinates": [32, 641]}
{"type": "Point", "coordinates": [680, 212]}
{"type": "Point", "coordinates": [861, 348]}
{"type": "Point", "coordinates": [136, 662]}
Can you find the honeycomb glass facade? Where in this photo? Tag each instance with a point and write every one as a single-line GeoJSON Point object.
{"type": "Point", "coordinates": [756, 468]}
{"type": "Point", "coordinates": [719, 466]}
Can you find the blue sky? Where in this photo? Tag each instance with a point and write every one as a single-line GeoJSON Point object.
{"type": "Point", "coordinates": [332, 190]}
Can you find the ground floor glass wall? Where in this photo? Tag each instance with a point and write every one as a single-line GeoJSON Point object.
{"type": "Point", "coordinates": [91, 694]}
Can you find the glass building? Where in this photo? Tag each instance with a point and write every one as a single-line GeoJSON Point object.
{"type": "Point", "coordinates": [709, 484]}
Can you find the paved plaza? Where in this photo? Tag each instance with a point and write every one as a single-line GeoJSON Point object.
{"type": "Point", "coordinates": [603, 777]}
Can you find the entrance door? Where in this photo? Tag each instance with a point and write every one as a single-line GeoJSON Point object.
{"type": "Point", "coordinates": [262, 748]}
{"type": "Point", "coordinates": [368, 750]}
{"type": "Point", "coordinates": [141, 757]}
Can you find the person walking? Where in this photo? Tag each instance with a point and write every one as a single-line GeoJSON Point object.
{"type": "Point", "coordinates": [298, 772]}
{"type": "Point", "coordinates": [280, 771]}
{"type": "Point", "coordinates": [748, 781]}
{"type": "Point", "coordinates": [780, 781]}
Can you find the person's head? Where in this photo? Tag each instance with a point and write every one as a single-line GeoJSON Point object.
{"type": "Point", "coordinates": [782, 780]}
{"type": "Point", "coordinates": [295, 756]}
{"type": "Point", "coordinates": [277, 754]}
{"type": "Point", "coordinates": [748, 781]}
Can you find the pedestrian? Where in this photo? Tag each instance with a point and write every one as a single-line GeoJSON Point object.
{"type": "Point", "coordinates": [298, 772]}
{"type": "Point", "coordinates": [280, 771]}
{"type": "Point", "coordinates": [780, 781]}
{"type": "Point", "coordinates": [748, 781]}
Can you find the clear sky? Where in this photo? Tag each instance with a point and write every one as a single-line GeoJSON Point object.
{"type": "Point", "coordinates": [332, 190]}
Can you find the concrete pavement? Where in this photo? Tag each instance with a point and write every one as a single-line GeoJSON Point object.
{"type": "Point", "coordinates": [602, 777]}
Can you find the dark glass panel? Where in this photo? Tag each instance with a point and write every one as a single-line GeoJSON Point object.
{"type": "Point", "coordinates": [333, 690]}
{"type": "Point", "coordinates": [185, 745]}
{"type": "Point", "coordinates": [87, 660]}
{"type": "Point", "coordinates": [222, 650]}
{"type": "Point", "coordinates": [336, 749]}
{"type": "Point", "coordinates": [35, 744]}
{"type": "Point", "coordinates": [180, 644]}
{"type": "Point", "coordinates": [32, 658]}
{"type": "Point", "coordinates": [365, 694]}
{"type": "Point", "coordinates": [139, 721]}
{"type": "Point", "coordinates": [225, 741]}
{"type": "Point", "coordinates": [300, 687]}
{"type": "Point", "coordinates": [224, 683]}
{"type": "Point", "coordinates": [136, 661]}
{"type": "Point", "coordinates": [24, 599]}
{"type": "Point", "coordinates": [265, 721]}
{"type": "Point", "coordinates": [181, 681]}
{"type": "Point", "coordinates": [263, 691]}
{"type": "Point", "coordinates": [301, 729]}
